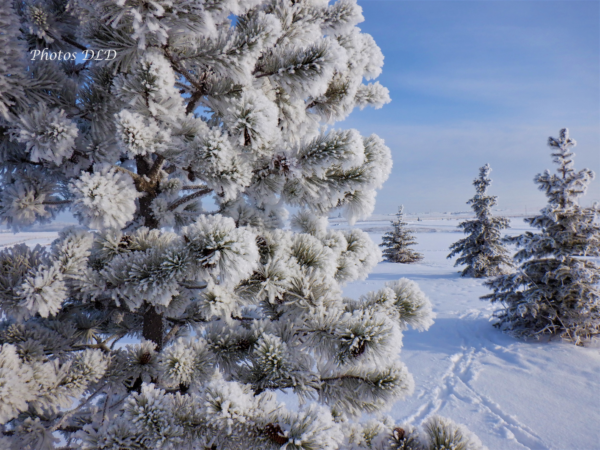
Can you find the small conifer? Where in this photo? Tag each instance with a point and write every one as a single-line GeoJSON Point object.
{"type": "Point", "coordinates": [397, 241]}
{"type": "Point", "coordinates": [482, 250]}
{"type": "Point", "coordinates": [555, 290]}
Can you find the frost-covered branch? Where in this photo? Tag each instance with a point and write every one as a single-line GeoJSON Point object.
{"type": "Point", "coordinates": [193, 188]}
{"type": "Point", "coordinates": [188, 198]}
{"type": "Point", "coordinates": [220, 308]}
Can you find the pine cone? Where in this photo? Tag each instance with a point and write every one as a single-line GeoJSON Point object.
{"type": "Point", "coordinates": [398, 433]}
{"type": "Point", "coordinates": [145, 358]}
{"type": "Point", "coordinates": [275, 433]}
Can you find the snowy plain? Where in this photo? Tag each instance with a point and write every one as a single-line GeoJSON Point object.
{"type": "Point", "coordinates": [513, 394]}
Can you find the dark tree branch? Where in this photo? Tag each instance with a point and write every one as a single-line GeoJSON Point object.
{"type": "Point", "coordinates": [154, 172]}
{"type": "Point", "coordinates": [26, 161]}
{"type": "Point", "coordinates": [57, 202]}
{"type": "Point", "coordinates": [74, 43]}
{"type": "Point", "coordinates": [70, 413]}
{"type": "Point", "coordinates": [193, 101]}
{"type": "Point", "coordinates": [199, 85]}
{"type": "Point", "coordinates": [193, 188]}
{"type": "Point", "coordinates": [247, 138]}
{"type": "Point", "coordinates": [194, 287]}
{"type": "Point", "coordinates": [172, 332]}
{"type": "Point", "coordinates": [342, 377]}
{"type": "Point", "coordinates": [135, 176]}
{"type": "Point", "coordinates": [173, 206]}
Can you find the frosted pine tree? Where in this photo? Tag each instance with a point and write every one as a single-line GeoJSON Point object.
{"type": "Point", "coordinates": [221, 307]}
{"type": "Point", "coordinates": [482, 250]}
{"type": "Point", "coordinates": [396, 243]}
{"type": "Point", "coordinates": [555, 289]}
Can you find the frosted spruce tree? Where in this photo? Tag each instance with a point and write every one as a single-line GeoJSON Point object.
{"type": "Point", "coordinates": [482, 251]}
{"type": "Point", "coordinates": [555, 290]}
{"type": "Point", "coordinates": [396, 243]}
{"type": "Point", "coordinates": [222, 308]}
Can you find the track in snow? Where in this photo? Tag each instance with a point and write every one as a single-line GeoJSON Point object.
{"type": "Point", "coordinates": [455, 385]}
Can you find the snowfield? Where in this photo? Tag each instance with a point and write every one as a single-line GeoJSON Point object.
{"type": "Point", "coordinates": [31, 239]}
{"type": "Point", "coordinates": [511, 393]}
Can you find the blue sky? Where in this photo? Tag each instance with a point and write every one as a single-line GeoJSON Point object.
{"type": "Point", "coordinates": [475, 82]}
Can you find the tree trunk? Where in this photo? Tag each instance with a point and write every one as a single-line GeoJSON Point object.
{"type": "Point", "coordinates": [154, 327]}
{"type": "Point", "coordinates": [143, 168]}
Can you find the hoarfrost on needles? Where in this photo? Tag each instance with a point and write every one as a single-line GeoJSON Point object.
{"type": "Point", "coordinates": [104, 199]}
{"type": "Point", "coordinates": [225, 307]}
{"type": "Point", "coordinates": [47, 134]}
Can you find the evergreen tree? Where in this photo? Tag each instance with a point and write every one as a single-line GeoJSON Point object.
{"type": "Point", "coordinates": [482, 250]}
{"type": "Point", "coordinates": [397, 241]}
{"type": "Point", "coordinates": [221, 97]}
{"type": "Point", "coordinates": [555, 290]}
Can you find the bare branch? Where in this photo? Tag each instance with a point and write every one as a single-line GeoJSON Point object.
{"type": "Point", "coordinates": [73, 411]}
{"type": "Point", "coordinates": [193, 287]}
{"type": "Point", "coordinates": [342, 377]}
{"type": "Point", "coordinates": [188, 198]}
{"type": "Point", "coordinates": [57, 202]}
{"type": "Point", "coordinates": [135, 176]}
{"type": "Point", "coordinates": [156, 167]}
{"type": "Point", "coordinates": [191, 106]}
{"type": "Point", "coordinates": [193, 188]}
{"type": "Point", "coordinates": [74, 43]}
{"type": "Point", "coordinates": [199, 85]}
{"type": "Point", "coordinates": [172, 332]}
{"type": "Point", "coordinates": [101, 346]}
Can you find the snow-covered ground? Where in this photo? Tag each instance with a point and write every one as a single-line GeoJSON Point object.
{"type": "Point", "coordinates": [31, 239]}
{"type": "Point", "coordinates": [512, 394]}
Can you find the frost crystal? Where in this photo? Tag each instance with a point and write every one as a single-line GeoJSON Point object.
{"type": "Point", "coordinates": [43, 291]}
{"type": "Point", "coordinates": [104, 199]}
{"type": "Point", "coordinates": [139, 136]}
{"type": "Point", "coordinates": [16, 383]}
{"type": "Point", "coordinates": [47, 134]}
